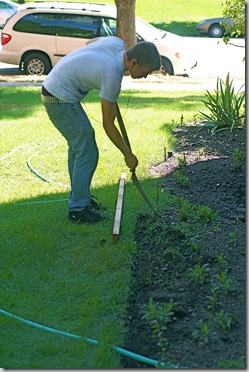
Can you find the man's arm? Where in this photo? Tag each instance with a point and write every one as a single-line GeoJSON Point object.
{"type": "Point", "coordinates": [109, 114]}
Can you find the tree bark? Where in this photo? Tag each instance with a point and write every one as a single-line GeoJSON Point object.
{"type": "Point", "coordinates": [126, 28]}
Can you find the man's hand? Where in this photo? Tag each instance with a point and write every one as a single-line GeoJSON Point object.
{"type": "Point", "coordinates": [131, 161]}
{"type": "Point", "coordinates": [109, 113]}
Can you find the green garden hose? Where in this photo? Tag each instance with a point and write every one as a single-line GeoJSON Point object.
{"type": "Point", "coordinates": [130, 354]}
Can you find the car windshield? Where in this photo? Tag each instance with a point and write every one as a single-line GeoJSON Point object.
{"type": "Point", "coordinates": [144, 30]}
{"type": "Point", "coordinates": [152, 33]}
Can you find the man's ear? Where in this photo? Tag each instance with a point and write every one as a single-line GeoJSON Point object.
{"type": "Point", "coordinates": [134, 62]}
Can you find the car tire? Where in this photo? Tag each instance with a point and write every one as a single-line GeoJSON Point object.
{"type": "Point", "coordinates": [36, 64]}
{"type": "Point", "coordinates": [167, 68]}
{"type": "Point", "coordinates": [216, 30]}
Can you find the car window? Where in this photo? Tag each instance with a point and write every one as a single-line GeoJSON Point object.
{"type": "Point", "coordinates": [112, 25]}
{"type": "Point", "coordinates": [69, 25]}
{"type": "Point", "coordinates": [152, 33]}
{"type": "Point", "coordinates": [105, 29]}
{"type": "Point", "coordinates": [4, 5]}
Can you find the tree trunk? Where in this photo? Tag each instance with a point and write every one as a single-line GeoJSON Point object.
{"type": "Point", "coordinates": [126, 29]}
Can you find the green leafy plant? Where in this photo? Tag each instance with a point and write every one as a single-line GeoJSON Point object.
{"type": "Point", "coordinates": [223, 263]}
{"type": "Point", "coordinates": [158, 315]}
{"type": "Point", "coordinates": [197, 275]}
{"type": "Point", "coordinates": [201, 152]}
{"type": "Point", "coordinates": [226, 108]}
{"type": "Point", "coordinates": [194, 244]}
{"type": "Point", "coordinates": [233, 238]}
{"type": "Point", "coordinates": [237, 159]}
{"type": "Point", "coordinates": [180, 179]}
{"type": "Point", "coordinates": [206, 213]}
{"type": "Point", "coordinates": [202, 333]}
{"type": "Point", "coordinates": [213, 300]}
{"type": "Point", "coordinates": [186, 210]}
{"type": "Point", "coordinates": [229, 363]}
{"type": "Point", "coordinates": [225, 321]}
{"type": "Point", "coordinates": [172, 253]}
{"type": "Point", "coordinates": [182, 162]}
{"type": "Point", "coordinates": [224, 284]}
{"type": "Point", "coordinates": [235, 9]}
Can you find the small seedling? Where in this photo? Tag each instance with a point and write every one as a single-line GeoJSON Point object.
{"type": "Point", "coordinates": [237, 159]}
{"type": "Point", "coordinates": [158, 315]}
{"type": "Point", "coordinates": [225, 321]}
{"type": "Point", "coordinates": [225, 285]}
{"type": "Point", "coordinates": [202, 334]}
{"type": "Point", "coordinates": [194, 244]}
{"type": "Point", "coordinates": [197, 275]}
{"type": "Point", "coordinates": [185, 211]}
{"type": "Point", "coordinates": [232, 364]}
{"type": "Point", "coordinates": [182, 162]}
{"type": "Point", "coordinates": [206, 213]}
{"type": "Point", "coordinates": [180, 179]}
{"type": "Point", "coordinates": [172, 253]}
{"type": "Point", "coordinates": [201, 152]}
{"type": "Point", "coordinates": [223, 263]}
{"type": "Point", "coordinates": [213, 300]}
{"type": "Point", "coordinates": [233, 238]}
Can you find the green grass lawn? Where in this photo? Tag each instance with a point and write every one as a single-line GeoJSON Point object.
{"type": "Point", "coordinates": [73, 278]}
{"type": "Point", "coordinates": [177, 16]}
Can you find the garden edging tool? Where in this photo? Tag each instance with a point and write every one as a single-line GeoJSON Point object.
{"type": "Point", "coordinates": [133, 177]}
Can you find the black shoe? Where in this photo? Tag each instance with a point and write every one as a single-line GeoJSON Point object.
{"type": "Point", "coordinates": [95, 204]}
{"type": "Point", "coordinates": [88, 214]}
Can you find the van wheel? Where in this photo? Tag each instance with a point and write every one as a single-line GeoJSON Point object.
{"type": "Point", "coordinates": [36, 64]}
{"type": "Point", "coordinates": [167, 68]}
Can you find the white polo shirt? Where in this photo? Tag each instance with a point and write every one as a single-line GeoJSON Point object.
{"type": "Point", "coordinates": [99, 65]}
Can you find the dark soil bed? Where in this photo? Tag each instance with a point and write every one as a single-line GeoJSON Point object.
{"type": "Point", "coordinates": [190, 261]}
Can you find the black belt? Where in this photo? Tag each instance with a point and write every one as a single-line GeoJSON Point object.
{"type": "Point", "coordinates": [46, 93]}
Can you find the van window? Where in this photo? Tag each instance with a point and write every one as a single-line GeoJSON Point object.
{"type": "Point", "coordinates": [112, 24]}
{"type": "Point", "coordinates": [69, 25]}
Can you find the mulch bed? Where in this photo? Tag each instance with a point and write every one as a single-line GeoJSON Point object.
{"type": "Point", "coordinates": [165, 256]}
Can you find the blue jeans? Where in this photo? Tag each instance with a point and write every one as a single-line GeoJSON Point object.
{"type": "Point", "coordinates": [72, 122]}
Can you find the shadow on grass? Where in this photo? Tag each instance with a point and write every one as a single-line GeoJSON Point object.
{"type": "Point", "coordinates": [29, 100]}
{"type": "Point", "coordinates": [186, 102]}
{"type": "Point", "coordinates": [179, 28]}
{"type": "Point", "coordinates": [22, 95]}
{"type": "Point", "coordinates": [47, 214]}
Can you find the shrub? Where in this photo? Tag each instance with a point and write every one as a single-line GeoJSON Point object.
{"type": "Point", "coordinates": [227, 108]}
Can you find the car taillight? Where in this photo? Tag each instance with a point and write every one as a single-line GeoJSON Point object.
{"type": "Point", "coordinates": [5, 38]}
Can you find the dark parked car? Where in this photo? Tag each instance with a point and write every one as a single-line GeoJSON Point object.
{"type": "Point", "coordinates": [214, 27]}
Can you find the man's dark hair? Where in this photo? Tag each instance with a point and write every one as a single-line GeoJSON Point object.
{"type": "Point", "coordinates": [146, 54]}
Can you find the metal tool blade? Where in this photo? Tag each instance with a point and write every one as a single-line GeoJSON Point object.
{"type": "Point", "coordinates": [140, 189]}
